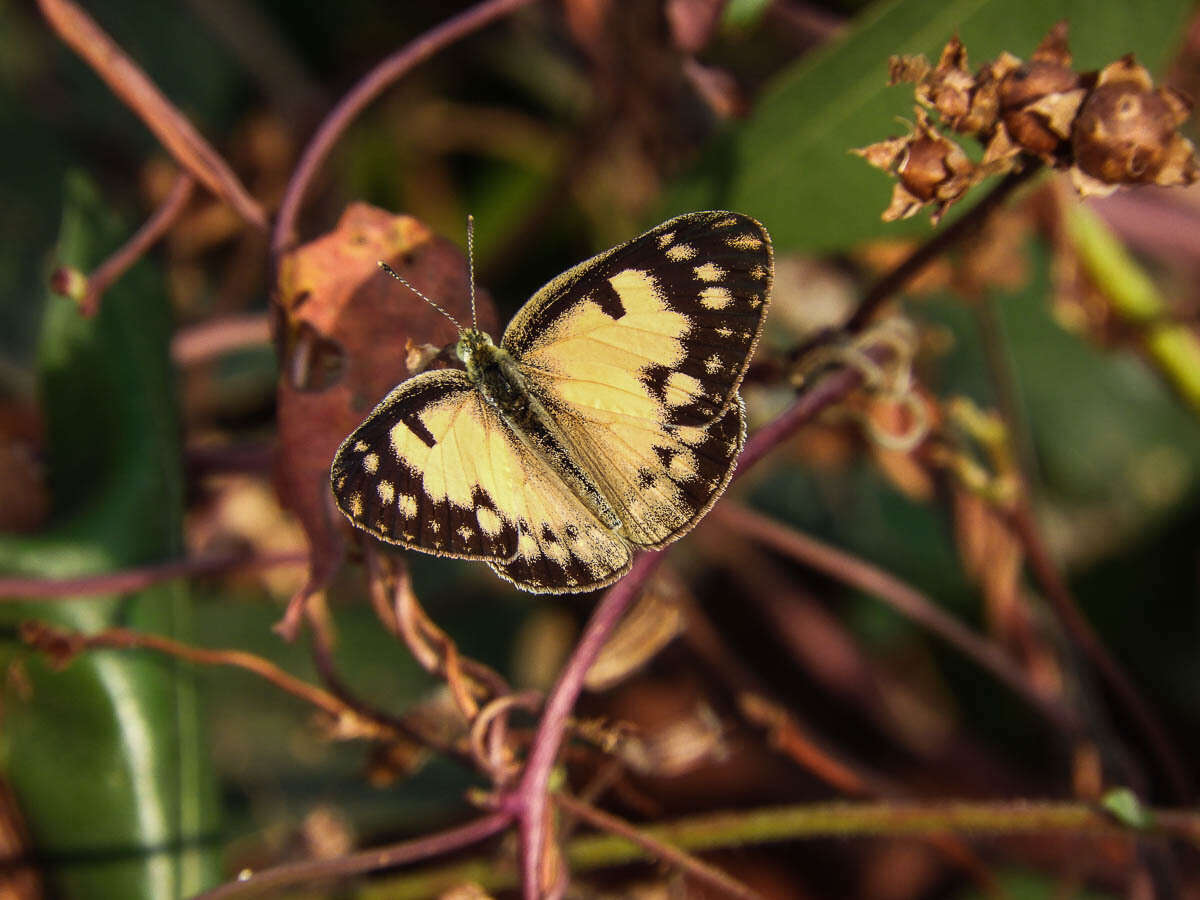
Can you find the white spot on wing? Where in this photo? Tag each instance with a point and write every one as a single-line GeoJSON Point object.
{"type": "Point", "coordinates": [744, 242]}
{"type": "Point", "coordinates": [386, 491]}
{"type": "Point", "coordinates": [371, 463]}
{"type": "Point", "coordinates": [713, 364]}
{"type": "Point", "coordinates": [681, 252]}
{"type": "Point", "coordinates": [664, 240]}
{"type": "Point", "coordinates": [488, 521]}
{"type": "Point", "coordinates": [407, 505]}
{"type": "Point", "coordinates": [715, 297]}
{"type": "Point", "coordinates": [709, 271]}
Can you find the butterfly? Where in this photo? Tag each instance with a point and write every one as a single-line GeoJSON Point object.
{"type": "Point", "coordinates": [607, 418]}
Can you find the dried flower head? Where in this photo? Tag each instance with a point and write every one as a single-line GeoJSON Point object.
{"type": "Point", "coordinates": [1107, 129]}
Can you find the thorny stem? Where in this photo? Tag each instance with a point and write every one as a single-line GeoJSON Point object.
{"type": "Point", "coordinates": [1062, 601]}
{"type": "Point", "coordinates": [905, 599]}
{"type": "Point", "coordinates": [126, 79]}
{"type": "Point", "coordinates": [16, 587]}
{"type": "Point", "coordinates": [365, 861]}
{"type": "Point", "coordinates": [363, 94]}
{"type": "Point", "coordinates": [659, 850]}
{"type": "Point", "coordinates": [107, 273]}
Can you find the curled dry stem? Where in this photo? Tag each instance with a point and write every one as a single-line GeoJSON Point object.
{"type": "Point", "coordinates": [135, 89]}
{"type": "Point", "coordinates": [469, 681]}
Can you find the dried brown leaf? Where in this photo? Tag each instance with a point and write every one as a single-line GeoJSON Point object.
{"type": "Point", "coordinates": [345, 329]}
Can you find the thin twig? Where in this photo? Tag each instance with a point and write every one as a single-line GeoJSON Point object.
{"type": "Point", "coordinates": [363, 94]}
{"type": "Point", "coordinates": [696, 868]}
{"type": "Point", "coordinates": [107, 273]}
{"type": "Point", "coordinates": [205, 340]}
{"type": "Point", "coordinates": [126, 79]}
{"type": "Point", "coordinates": [63, 645]}
{"type": "Point", "coordinates": [16, 587]}
{"type": "Point", "coordinates": [955, 232]}
{"type": "Point", "coordinates": [1062, 601]}
{"type": "Point", "coordinates": [747, 828]}
{"type": "Point", "coordinates": [905, 599]}
{"type": "Point", "coordinates": [360, 863]}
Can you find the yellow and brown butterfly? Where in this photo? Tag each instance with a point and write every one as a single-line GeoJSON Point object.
{"type": "Point", "coordinates": [608, 418]}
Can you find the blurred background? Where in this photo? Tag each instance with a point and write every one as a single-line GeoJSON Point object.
{"type": "Point", "coordinates": [155, 432]}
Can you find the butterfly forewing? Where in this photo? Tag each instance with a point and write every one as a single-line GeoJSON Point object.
{"type": "Point", "coordinates": [664, 325]}
{"type": "Point", "coordinates": [434, 467]}
{"type": "Point", "coordinates": [638, 354]}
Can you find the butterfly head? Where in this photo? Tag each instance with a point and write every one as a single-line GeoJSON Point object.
{"type": "Point", "coordinates": [472, 345]}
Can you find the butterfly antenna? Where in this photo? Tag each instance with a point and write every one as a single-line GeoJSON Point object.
{"type": "Point", "coordinates": [471, 265]}
{"type": "Point", "coordinates": [404, 281]}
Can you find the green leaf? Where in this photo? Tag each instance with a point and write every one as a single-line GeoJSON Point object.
{"type": "Point", "coordinates": [106, 758]}
{"type": "Point", "coordinates": [789, 166]}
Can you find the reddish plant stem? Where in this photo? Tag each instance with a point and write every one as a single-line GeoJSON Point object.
{"type": "Point", "coordinates": [107, 273]}
{"type": "Point", "coordinates": [17, 587]}
{"type": "Point", "coordinates": [202, 342]}
{"type": "Point", "coordinates": [135, 89]}
{"type": "Point", "coordinates": [909, 602]}
{"type": "Point", "coordinates": [1062, 601]}
{"type": "Point", "coordinates": [530, 801]}
{"type": "Point", "coordinates": [696, 868]}
{"type": "Point", "coordinates": [365, 861]}
{"type": "Point", "coordinates": [363, 94]}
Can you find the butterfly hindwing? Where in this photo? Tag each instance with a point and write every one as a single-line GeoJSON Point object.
{"type": "Point", "coordinates": [638, 354]}
{"type": "Point", "coordinates": [434, 467]}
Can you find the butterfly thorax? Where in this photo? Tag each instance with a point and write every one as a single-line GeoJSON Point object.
{"type": "Point", "coordinates": [493, 371]}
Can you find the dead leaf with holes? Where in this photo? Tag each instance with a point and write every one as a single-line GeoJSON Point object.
{"type": "Point", "coordinates": [345, 332]}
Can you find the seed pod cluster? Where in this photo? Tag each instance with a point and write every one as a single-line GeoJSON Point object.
{"type": "Point", "coordinates": [1106, 129]}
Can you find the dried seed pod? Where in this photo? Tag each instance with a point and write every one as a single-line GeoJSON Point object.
{"type": "Point", "coordinates": [931, 169]}
{"type": "Point", "coordinates": [1125, 133]}
{"type": "Point", "coordinates": [1039, 99]}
